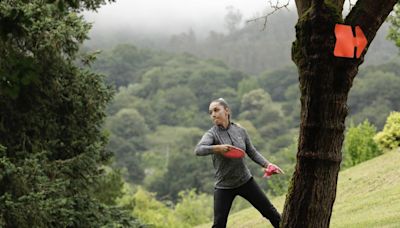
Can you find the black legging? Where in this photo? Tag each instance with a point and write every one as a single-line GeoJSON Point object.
{"type": "Point", "coordinates": [223, 199]}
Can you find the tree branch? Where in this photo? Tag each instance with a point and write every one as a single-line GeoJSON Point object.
{"type": "Point", "coordinates": [276, 7]}
{"type": "Point", "coordinates": [370, 15]}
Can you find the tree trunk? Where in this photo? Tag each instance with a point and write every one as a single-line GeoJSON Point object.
{"type": "Point", "coordinates": [325, 81]}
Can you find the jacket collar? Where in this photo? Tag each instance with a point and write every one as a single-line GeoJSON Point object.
{"type": "Point", "coordinates": [220, 127]}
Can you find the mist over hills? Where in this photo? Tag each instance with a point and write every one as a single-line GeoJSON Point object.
{"type": "Point", "coordinates": [242, 46]}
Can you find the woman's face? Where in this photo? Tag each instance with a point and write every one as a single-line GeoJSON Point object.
{"type": "Point", "coordinates": [218, 113]}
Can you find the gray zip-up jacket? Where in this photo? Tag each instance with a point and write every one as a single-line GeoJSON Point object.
{"type": "Point", "coordinates": [229, 172]}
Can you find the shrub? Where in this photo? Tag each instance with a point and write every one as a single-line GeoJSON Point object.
{"type": "Point", "coordinates": [359, 145]}
{"type": "Point", "coordinates": [193, 208]}
{"type": "Point", "coordinates": [148, 209]}
{"type": "Point", "coordinates": [389, 138]}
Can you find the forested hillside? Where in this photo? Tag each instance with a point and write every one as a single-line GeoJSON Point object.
{"type": "Point", "coordinates": [160, 112]}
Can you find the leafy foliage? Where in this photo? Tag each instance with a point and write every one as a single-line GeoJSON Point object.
{"type": "Point", "coordinates": [374, 96]}
{"type": "Point", "coordinates": [389, 138]}
{"type": "Point", "coordinates": [394, 32]}
{"type": "Point", "coordinates": [359, 145]}
{"type": "Point", "coordinates": [53, 149]}
{"type": "Point", "coordinates": [177, 168]}
{"type": "Point", "coordinates": [153, 212]}
{"type": "Point", "coordinates": [194, 208]}
{"type": "Point", "coordinates": [124, 64]}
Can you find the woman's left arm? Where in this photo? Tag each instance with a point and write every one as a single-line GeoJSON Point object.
{"type": "Point", "coordinates": [253, 153]}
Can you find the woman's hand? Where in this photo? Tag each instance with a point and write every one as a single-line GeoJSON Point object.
{"type": "Point", "coordinates": [272, 169]}
{"type": "Point", "coordinates": [221, 149]}
{"type": "Point", "coordinates": [278, 169]}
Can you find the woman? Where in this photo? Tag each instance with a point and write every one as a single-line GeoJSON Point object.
{"type": "Point", "coordinates": [232, 176]}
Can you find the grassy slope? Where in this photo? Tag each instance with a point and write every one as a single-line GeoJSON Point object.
{"type": "Point", "coordinates": [368, 196]}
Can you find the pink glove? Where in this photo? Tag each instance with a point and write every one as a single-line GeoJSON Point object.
{"type": "Point", "coordinates": [272, 169]}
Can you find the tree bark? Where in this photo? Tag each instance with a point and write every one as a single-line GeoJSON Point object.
{"type": "Point", "coordinates": [325, 81]}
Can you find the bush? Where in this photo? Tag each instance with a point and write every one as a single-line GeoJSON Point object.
{"type": "Point", "coordinates": [389, 138]}
{"type": "Point", "coordinates": [359, 145]}
{"type": "Point", "coordinates": [193, 208]}
{"type": "Point", "coordinates": [149, 210]}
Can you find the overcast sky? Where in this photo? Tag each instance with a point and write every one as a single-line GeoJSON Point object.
{"type": "Point", "coordinates": [171, 16]}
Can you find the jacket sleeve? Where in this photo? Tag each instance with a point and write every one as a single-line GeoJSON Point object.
{"type": "Point", "coordinates": [204, 147]}
{"type": "Point", "coordinates": [253, 153]}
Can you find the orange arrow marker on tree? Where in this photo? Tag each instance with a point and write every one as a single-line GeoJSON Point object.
{"type": "Point", "coordinates": [345, 41]}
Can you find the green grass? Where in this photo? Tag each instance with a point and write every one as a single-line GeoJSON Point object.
{"type": "Point", "coordinates": [368, 196]}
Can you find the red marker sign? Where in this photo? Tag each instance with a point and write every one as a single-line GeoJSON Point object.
{"type": "Point", "coordinates": [345, 41]}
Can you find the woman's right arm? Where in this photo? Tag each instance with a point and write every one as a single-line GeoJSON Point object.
{"type": "Point", "coordinates": [206, 146]}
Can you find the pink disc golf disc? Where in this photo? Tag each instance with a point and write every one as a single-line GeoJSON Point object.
{"type": "Point", "coordinates": [234, 152]}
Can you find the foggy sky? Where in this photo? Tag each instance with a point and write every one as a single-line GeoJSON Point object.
{"type": "Point", "coordinates": [172, 16]}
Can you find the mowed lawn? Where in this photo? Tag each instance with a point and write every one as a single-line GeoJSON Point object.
{"type": "Point", "coordinates": [368, 196]}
